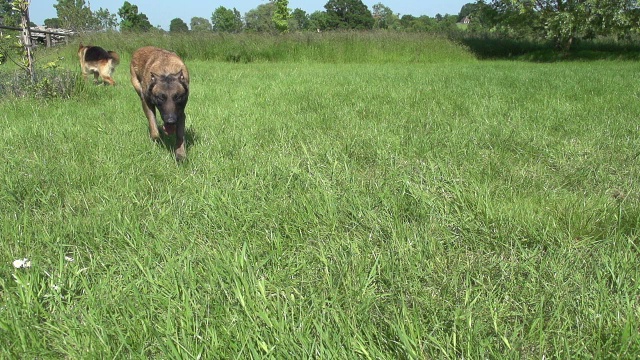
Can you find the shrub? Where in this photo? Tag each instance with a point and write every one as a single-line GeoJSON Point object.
{"type": "Point", "coordinates": [49, 83]}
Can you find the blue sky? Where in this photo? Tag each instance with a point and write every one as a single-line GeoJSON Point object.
{"type": "Point", "coordinates": [160, 12]}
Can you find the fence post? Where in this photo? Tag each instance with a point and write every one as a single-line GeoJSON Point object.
{"type": "Point", "coordinates": [26, 37]}
{"type": "Point", "coordinates": [48, 37]}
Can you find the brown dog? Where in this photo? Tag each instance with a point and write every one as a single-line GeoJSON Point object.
{"type": "Point", "coordinates": [99, 62]}
{"type": "Point", "coordinates": [162, 81]}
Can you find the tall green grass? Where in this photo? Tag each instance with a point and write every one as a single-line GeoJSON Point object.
{"type": "Point", "coordinates": [375, 209]}
{"type": "Point", "coordinates": [329, 47]}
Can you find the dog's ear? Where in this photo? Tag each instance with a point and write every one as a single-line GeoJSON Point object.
{"type": "Point", "coordinates": [183, 80]}
{"type": "Point", "coordinates": [80, 46]}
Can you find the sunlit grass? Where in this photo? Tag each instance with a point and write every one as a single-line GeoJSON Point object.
{"type": "Point", "coordinates": [329, 210]}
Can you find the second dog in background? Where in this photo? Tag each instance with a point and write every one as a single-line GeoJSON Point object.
{"type": "Point", "coordinates": [99, 62]}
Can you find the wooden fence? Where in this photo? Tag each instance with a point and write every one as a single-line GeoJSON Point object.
{"type": "Point", "coordinates": [49, 37]}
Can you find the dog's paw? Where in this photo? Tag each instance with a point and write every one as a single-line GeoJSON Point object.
{"type": "Point", "coordinates": [181, 155]}
{"type": "Point", "coordinates": [154, 135]}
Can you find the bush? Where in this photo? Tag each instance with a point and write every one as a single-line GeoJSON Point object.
{"type": "Point", "coordinates": [49, 83]}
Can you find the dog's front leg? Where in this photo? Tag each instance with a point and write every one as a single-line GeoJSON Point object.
{"type": "Point", "coordinates": [150, 113]}
{"type": "Point", "coordinates": [181, 152]}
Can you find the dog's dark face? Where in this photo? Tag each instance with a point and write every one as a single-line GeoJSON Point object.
{"type": "Point", "coordinates": [169, 93]}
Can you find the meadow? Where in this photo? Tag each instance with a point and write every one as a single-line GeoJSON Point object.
{"type": "Point", "coordinates": [346, 197]}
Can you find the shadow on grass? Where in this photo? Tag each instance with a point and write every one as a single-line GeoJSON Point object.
{"type": "Point", "coordinates": [168, 142]}
{"type": "Point", "coordinates": [486, 47]}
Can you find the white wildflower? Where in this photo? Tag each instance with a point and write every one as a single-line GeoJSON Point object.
{"type": "Point", "coordinates": [22, 263]}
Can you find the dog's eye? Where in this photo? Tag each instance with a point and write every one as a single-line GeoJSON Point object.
{"type": "Point", "coordinates": [160, 98]}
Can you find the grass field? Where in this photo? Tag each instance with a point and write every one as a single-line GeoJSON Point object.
{"type": "Point", "coordinates": [424, 208]}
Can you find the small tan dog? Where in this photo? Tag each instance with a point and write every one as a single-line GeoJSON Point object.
{"type": "Point", "coordinates": [99, 62]}
{"type": "Point", "coordinates": [162, 81]}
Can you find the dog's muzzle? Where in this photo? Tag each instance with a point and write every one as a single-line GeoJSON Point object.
{"type": "Point", "coordinates": [169, 125]}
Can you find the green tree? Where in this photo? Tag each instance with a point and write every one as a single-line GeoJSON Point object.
{"type": "Point", "coordinates": [563, 21]}
{"type": "Point", "coordinates": [422, 23]}
{"type": "Point", "coordinates": [426, 23]}
{"type": "Point", "coordinates": [8, 15]}
{"type": "Point", "coordinates": [383, 17]}
{"type": "Point", "coordinates": [406, 21]}
{"type": "Point", "coordinates": [281, 15]}
{"type": "Point", "coordinates": [200, 24]}
{"type": "Point", "coordinates": [318, 20]}
{"type": "Point", "coordinates": [467, 10]}
{"type": "Point", "coordinates": [53, 23]}
{"type": "Point", "coordinates": [299, 20]}
{"type": "Point", "coordinates": [484, 18]}
{"type": "Point", "coordinates": [105, 19]}
{"type": "Point", "coordinates": [348, 14]}
{"type": "Point", "coordinates": [226, 20]}
{"type": "Point", "coordinates": [131, 20]}
{"type": "Point", "coordinates": [178, 25]}
{"type": "Point", "coordinates": [76, 15]}
{"type": "Point", "coordinates": [447, 24]}
{"type": "Point", "coordinates": [260, 19]}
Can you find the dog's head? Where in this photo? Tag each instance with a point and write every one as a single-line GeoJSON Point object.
{"type": "Point", "coordinates": [169, 93]}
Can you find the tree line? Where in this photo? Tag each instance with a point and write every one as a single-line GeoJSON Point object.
{"type": "Point", "coordinates": [560, 22]}
{"type": "Point", "coordinates": [273, 16]}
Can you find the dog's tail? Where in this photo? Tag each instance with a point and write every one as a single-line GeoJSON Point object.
{"type": "Point", "coordinates": [116, 58]}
